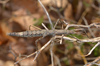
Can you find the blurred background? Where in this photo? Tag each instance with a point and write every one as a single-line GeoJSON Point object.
{"type": "Point", "coordinates": [18, 15]}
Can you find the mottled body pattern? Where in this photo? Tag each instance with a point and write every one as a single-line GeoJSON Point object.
{"type": "Point", "coordinates": [38, 33]}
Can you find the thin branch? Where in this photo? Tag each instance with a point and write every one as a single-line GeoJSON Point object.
{"type": "Point", "coordinates": [88, 27]}
{"type": "Point", "coordinates": [96, 60]}
{"type": "Point", "coordinates": [81, 26]}
{"type": "Point", "coordinates": [89, 64]}
{"type": "Point", "coordinates": [46, 14]}
{"type": "Point", "coordinates": [51, 53]}
{"type": "Point", "coordinates": [45, 26]}
{"type": "Point", "coordinates": [97, 39]}
{"type": "Point", "coordinates": [56, 10]}
{"type": "Point", "coordinates": [34, 52]}
{"type": "Point", "coordinates": [57, 60]}
{"type": "Point", "coordinates": [93, 49]}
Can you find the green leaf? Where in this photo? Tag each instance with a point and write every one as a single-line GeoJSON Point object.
{"type": "Point", "coordinates": [40, 20]}
{"type": "Point", "coordinates": [96, 51]}
{"type": "Point", "coordinates": [86, 4]}
{"type": "Point", "coordinates": [66, 62]}
{"type": "Point", "coordinates": [70, 45]}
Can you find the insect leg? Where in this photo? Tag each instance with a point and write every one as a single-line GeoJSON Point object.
{"type": "Point", "coordinates": [37, 48]}
{"type": "Point", "coordinates": [33, 27]}
{"type": "Point", "coordinates": [37, 42]}
{"type": "Point", "coordinates": [56, 23]}
{"type": "Point", "coordinates": [62, 28]}
{"type": "Point", "coordinates": [62, 36]}
{"type": "Point", "coordinates": [30, 27]}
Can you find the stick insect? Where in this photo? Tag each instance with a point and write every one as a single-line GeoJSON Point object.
{"type": "Point", "coordinates": [42, 33]}
{"type": "Point", "coordinates": [39, 33]}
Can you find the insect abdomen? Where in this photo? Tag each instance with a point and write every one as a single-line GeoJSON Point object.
{"type": "Point", "coordinates": [35, 33]}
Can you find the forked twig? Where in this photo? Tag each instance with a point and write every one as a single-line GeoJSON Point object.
{"type": "Point", "coordinates": [88, 27]}
{"type": "Point", "coordinates": [93, 62]}
{"type": "Point", "coordinates": [81, 26]}
{"type": "Point", "coordinates": [35, 52]}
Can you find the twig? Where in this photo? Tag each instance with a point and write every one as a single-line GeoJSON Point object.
{"type": "Point", "coordinates": [89, 64]}
{"type": "Point", "coordinates": [81, 26]}
{"type": "Point", "coordinates": [97, 39]}
{"type": "Point", "coordinates": [57, 60]}
{"type": "Point", "coordinates": [14, 54]}
{"type": "Point", "coordinates": [35, 52]}
{"type": "Point", "coordinates": [88, 27]}
{"type": "Point", "coordinates": [45, 26]}
{"type": "Point", "coordinates": [56, 10]}
{"type": "Point", "coordinates": [51, 53]}
{"type": "Point", "coordinates": [93, 49]}
{"type": "Point", "coordinates": [46, 14]}
{"type": "Point", "coordinates": [83, 15]}
{"type": "Point", "coordinates": [93, 62]}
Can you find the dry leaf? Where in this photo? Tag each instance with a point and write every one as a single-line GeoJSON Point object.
{"type": "Point", "coordinates": [68, 12]}
{"type": "Point", "coordinates": [53, 3]}
{"type": "Point", "coordinates": [1, 63]}
{"type": "Point", "coordinates": [25, 20]}
{"type": "Point", "coordinates": [9, 63]}
{"type": "Point", "coordinates": [4, 29]}
{"type": "Point", "coordinates": [28, 62]}
{"type": "Point", "coordinates": [30, 5]}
